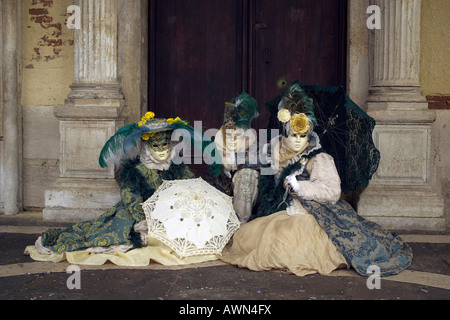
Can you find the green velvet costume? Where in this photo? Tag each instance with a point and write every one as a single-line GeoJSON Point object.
{"type": "Point", "coordinates": [115, 227]}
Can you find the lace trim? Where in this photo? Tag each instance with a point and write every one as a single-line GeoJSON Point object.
{"type": "Point", "coordinates": [314, 145]}
{"type": "Point", "coordinates": [191, 217]}
{"type": "Point", "coordinates": [295, 209]}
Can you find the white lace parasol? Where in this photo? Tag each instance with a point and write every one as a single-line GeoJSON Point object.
{"type": "Point", "coordinates": [191, 217]}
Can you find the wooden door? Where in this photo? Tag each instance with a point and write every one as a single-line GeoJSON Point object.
{"type": "Point", "coordinates": [205, 52]}
{"type": "Point", "coordinates": [295, 40]}
{"type": "Point", "coordinates": [195, 58]}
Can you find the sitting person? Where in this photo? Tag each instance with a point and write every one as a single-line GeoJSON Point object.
{"type": "Point", "coordinates": [302, 225]}
{"type": "Point", "coordinates": [123, 227]}
{"type": "Point", "coordinates": [235, 140]}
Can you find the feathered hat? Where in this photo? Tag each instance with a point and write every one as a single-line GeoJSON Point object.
{"type": "Point", "coordinates": [240, 111]}
{"type": "Point", "coordinates": [125, 143]}
{"type": "Point", "coordinates": [296, 111]}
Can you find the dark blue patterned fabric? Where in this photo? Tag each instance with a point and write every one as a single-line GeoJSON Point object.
{"type": "Point", "coordinates": [363, 243]}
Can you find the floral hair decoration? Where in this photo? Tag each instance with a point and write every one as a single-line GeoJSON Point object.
{"type": "Point", "coordinates": [125, 143]}
{"type": "Point", "coordinates": [296, 111]}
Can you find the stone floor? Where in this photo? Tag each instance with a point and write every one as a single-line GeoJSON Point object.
{"type": "Point", "coordinates": [428, 277]}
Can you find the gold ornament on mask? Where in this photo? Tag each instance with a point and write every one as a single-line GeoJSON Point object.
{"type": "Point", "coordinates": [160, 141]}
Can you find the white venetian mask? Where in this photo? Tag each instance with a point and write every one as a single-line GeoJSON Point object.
{"type": "Point", "coordinates": [159, 155]}
{"type": "Point", "coordinates": [296, 142]}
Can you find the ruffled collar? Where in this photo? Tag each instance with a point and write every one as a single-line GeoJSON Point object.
{"type": "Point", "coordinates": [314, 145]}
{"type": "Point", "coordinates": [280, 161]}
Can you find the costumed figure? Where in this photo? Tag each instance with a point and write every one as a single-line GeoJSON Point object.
{"type": "Point", "coordinates": [236, 142]}
{"type": "Point", "coordinates": [143, 153]}
{"type": "Point", "coordinates": [302, 225]}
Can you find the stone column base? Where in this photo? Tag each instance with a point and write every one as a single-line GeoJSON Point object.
{"type": "Point", "coordinates": [401, 195]}
{"type": "Point", "coordinates": [73, 200]}
{"type": "Point", "coordinates": [84, 190]}
{"type": "Point", "coordinates": [395, 208]}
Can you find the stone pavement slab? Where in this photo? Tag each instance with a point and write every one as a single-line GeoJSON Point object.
{"type": "Point", "coordinates": [428, 277]}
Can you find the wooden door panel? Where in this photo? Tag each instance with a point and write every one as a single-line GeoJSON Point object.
{"type": "Point", "coordinates": [296, 40]}
{"type": "Point", "coordinates": [204, 52]}
{"type": "Point", "coordinates": [197, 58]}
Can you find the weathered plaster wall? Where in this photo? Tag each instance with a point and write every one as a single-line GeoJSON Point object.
{"type": "Point", "coordinates": [47, 60]}
{"type": "Point", "coordinates": [48, 71]}
{"type": "Point", "coordinates": [47, 53]}
{"type": "Point", "coordinates": [2, 174]}
{"type": "Point", "coordinates": [435, 81]}
{"type": "Point", "coordinates": [435, 42]}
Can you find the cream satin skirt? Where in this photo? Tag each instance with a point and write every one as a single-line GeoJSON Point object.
{"type": "Point", "coordinates": [292, 244]}
{"type": "Point", "coordinates": [154, 252]}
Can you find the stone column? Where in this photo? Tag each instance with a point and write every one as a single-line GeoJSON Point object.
{"type": "Point", "coordinates": [94, 110]}
{"type": "Point", "coordinates": [96, 52]}
{"type": "Point", "coordinates": [396, 53]}
{"type": "Point", "coordinates": [401, 195]}
{"type": "Point", "coordinates": [12, 114]}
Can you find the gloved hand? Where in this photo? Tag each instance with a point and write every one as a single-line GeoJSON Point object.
{"type": "Point", "coordinates": [291, 181]}
{"type": "Point", "coordinates": [227, 173]}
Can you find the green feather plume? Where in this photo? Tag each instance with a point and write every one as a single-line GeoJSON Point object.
{"type": "Point", "coordinates": [124, 141]}
{"type": "Point", "coordinates": [113, 148]}
{"type": "Point", "coordinates": [244, 111]}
